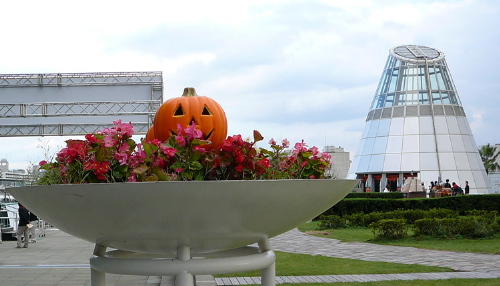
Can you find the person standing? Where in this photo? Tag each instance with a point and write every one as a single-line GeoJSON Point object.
{"type": "Point", "coordinates": [466, 187]}
{"type": "Point", "coordinates": [447, 184]}
{"type": "Point", "coordinates": [22, 227]}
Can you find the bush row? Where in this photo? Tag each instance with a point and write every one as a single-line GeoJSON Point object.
{"type": "Point", "coordinates": [442, 228]}
{"type": "Point", "coordinates": [437, 223]}
{"type": "Point", "coordinates": [365, 220]}
{"type": "Point", "coordinates": [392, 195]}
{"type": "Point", "coordinates": [462, 204]}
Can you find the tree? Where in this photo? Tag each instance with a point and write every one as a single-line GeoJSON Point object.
{"type": "Point", "coordinates": [489, 156]}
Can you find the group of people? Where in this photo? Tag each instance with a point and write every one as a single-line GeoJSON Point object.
{"type": "Point", "coordinates": [25, 226]}
{"type": "Point", "coordinates": [454, 187]}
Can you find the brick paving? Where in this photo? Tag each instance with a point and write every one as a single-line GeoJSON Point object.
{"type": "Point", "coordinates": [60, 259]}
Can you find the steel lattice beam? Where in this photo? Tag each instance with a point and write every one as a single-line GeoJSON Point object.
{"type": "Point", "coordinates": [37, 104]}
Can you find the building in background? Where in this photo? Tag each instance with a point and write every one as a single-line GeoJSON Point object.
{"type": "Point", "coordinates": [416, 127]}
{"type": "Point", "coordinates": [494, 176]}
{"type": "Point", "coordinates": [340, 162]}
{"type": "Point", "coordinates": [12, 178]}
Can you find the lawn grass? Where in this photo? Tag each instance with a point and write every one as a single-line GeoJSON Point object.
{"type": "Point", "coordinates": [291, 264]}
{"type": "Point", "coordinates": [491, 246]}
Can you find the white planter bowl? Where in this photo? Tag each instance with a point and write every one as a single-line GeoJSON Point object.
{"type": "Point", "coordinates": [157, 217]}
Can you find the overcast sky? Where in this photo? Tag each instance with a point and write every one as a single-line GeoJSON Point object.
{"type": "Point", "coordinates": [290, 69]}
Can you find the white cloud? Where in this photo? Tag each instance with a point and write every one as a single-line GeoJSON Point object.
{"type": "Point", "coordinates": [300, 69]}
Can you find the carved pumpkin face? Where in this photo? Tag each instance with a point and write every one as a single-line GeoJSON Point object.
{"type": "Point", "coordinates": [205, 112]}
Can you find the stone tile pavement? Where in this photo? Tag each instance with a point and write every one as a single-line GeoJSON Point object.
{"type": "Point", "coordinates": [61, 259]}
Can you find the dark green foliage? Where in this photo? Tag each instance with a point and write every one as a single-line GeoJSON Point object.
{"type": "Point", "coordinates": [460, 227]}
{"type": "Point", "coordinates": [462, 204]}
{"type": "Point", "coordinates": [441, 213]}
{"type": "Point", "coordinates": [389, 229]}
{"type": "Point", "coordinates": [438, 223]}
{"type": "Point", "coordinates": [393, 195]}
{"type": "Point", "coordinates": [331, 222]}
{"type": "Point", "coordinates": [364, 220]}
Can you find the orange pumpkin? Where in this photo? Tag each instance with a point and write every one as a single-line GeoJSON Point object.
{"type": "Point", "coordinates": [205, 112]}
{"type": "Point", "coordinates": [150, 135]}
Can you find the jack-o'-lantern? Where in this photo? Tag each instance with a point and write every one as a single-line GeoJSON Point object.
{"type": "Point", "coordinates": [150, 135]}
{"type": "Point", "coordinates": [205, 112]}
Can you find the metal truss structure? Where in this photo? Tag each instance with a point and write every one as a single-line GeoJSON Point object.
{"type": "Point", "coordinates": [124, 91]}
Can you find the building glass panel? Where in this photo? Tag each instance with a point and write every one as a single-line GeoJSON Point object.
{"type": "Point", "coordinates": [395, 144]}
{"type": "Point", "coordinates": [376, 163]}
{"type": "Point", "coordinates": [367, 150]}
{"type": "Point", "coordinates": [380, 145]}
{"type": "Point", "coordinates": [373, 128]}
{"type": "Point", "coordinates": [384, 127]}
{"type": "Point", "coordinates": [463, 162]}
{"type": "Point", "coordinates": [428, 161]}
{"type": "Point", "coordinates": [411, 125]}
{"type": "Point", "coordinates": [392, 162]}
{"type": "Point", "coordinates": [410, 143]}
{"type": "Point", "coordinates": [441, 125]}
{"type": "Point", "coordinates": [410, 162]}
{"type": "Point", "coordinates": [447, 161]}
{"type": "Point", "coordinates": [425, 125]}
{"type": "Point", "coordinates": [427, 143]}
{"type": "Point", "coordinates": [452, 123]}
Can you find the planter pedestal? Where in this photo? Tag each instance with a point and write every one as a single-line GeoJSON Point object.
{"type": "Point", "coordinates": [184, 267]}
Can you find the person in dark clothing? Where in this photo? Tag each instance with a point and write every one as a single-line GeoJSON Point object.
{"type": "Point", "coordinates": [466, 187]}
{"type": "Point", "coordinates": [22, 228]}
{"type": "Point", "coordinates": [457, 190]}
{"type": "Point", "coordinates": [447, 184]}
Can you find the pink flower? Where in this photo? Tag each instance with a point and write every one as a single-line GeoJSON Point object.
{"type": "Point", "coordinates": [43, 162]}
{"type": "Point", "coordinates": [132, 178]}
{"type": "Point", "coordinates": [285, 143]}
{"type": "Point", "coordinates": [168, 151]}
{"type": "Point", "coordinates": [199, 149]}
{"type": "Point", "coordinates": [300, 147]}
{"type": "Point", "coordinates": [272, 142]}
{"type": "Point", "coordinates": [179, 170]}
{"type": "Point", "coordinates": [192, 132]}
{"type": "Point", "coordinates": [109, 141]}
{"type": "Point", "coordinates": [179, 140]}
{"type": "Point", "coordinates": [122, 158]}
{"type": "Point", "coordinates": [125, 129]}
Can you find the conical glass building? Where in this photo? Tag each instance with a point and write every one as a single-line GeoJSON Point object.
{"type": "Point", "coordinates": [417, 127]}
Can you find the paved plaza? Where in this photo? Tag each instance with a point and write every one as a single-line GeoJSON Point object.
{"type": "Point", "coordinates": [60, 259]}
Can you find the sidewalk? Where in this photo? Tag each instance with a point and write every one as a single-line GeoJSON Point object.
{"type": "Point", "coordinates": [60, 259]}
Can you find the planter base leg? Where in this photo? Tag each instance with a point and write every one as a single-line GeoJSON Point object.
{"type": "Point", "coordinates": [184, 279]}
{"type": "Point", "coordinates": [98, 278]}
{"type": "Point", "coordinates": [268, 274]}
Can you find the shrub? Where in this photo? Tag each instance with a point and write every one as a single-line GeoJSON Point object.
{"type": "Point", "coordinates": [459, 227]}
{"type": "Point", "coordinates": [331, 222]}
{"type": "Point", "coordinates": [441, 213]}
{"type": "Point", "coordinates": [389, 229]}
{"type": "Point", "coordinates": [356, 220]}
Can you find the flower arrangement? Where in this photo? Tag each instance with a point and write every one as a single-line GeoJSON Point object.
{"type": "Point", "coordinates": [111, 155]}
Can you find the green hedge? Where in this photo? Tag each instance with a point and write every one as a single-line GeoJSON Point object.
{"type": "Point", "coordinates": [409, 216]}
{"type": "Point", "coordinates": [462, 204]}
{"type": "Point", "coordinates": [393, 195]}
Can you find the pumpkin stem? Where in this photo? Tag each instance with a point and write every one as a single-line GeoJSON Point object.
{"type": "Point", "coordinates": [189, 91]}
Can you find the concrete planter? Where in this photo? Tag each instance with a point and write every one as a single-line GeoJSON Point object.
{"type": "Point", "coordinates": [166, 217]}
